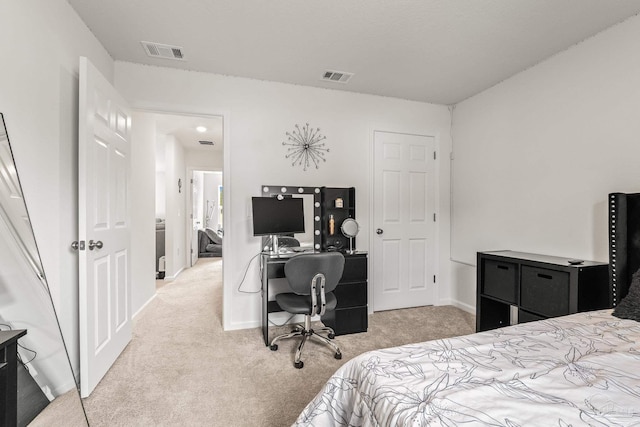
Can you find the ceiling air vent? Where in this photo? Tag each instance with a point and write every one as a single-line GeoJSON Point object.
{"type": "Point", "coordinates": [206, 142]}
{"type": "Point", "coordinates": [336, 76]}
{"type": "Point", "coordinates": [157, 50]}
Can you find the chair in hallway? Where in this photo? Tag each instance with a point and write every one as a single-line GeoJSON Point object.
{"type": "Point", "coordinates": [312, 278]}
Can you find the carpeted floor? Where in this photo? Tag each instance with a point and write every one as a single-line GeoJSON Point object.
{"type": "Point", "coordinates": [181, 368]}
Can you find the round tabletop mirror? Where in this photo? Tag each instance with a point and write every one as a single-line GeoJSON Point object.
{"type": "Point", "coordinates": [350, 229]}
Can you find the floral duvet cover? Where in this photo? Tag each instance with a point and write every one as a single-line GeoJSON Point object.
{"type": "Point", "coordinates": [581, 369]}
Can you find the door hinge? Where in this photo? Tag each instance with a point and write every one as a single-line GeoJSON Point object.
{"type": "Point", "coordinates": [434, 217]}
{"type": "Point", "coordinates": [434, 278]}
{"type": "Point", "coordinates": [434, 155]}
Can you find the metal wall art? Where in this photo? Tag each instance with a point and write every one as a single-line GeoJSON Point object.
{"type": "Point", "coordinates": [305, 147]}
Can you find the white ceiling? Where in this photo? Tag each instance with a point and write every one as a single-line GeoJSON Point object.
{"type": "Point", "coordinates": [439, 51]}
{"type": "Point", "coordinates": [183, 128]}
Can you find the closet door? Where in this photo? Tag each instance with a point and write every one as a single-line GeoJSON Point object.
{"type": "Point", "coordinates": [403, 221]}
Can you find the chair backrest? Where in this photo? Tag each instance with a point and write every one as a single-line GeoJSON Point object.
{"type": "Point", "coordinates": [300, 270]}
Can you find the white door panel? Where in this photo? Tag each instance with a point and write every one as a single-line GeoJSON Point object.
{"type": "Point", "coordinates": [403, 210]}
{"type": "Point", "coordinates": [103, 200]}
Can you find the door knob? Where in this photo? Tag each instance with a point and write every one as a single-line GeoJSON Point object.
{"type": "Point", "coordinates": [379, 231]}
{"type": "Point", "coordinates": [93, 244]}
{"type": "Point", "coordinates": [77, 245]}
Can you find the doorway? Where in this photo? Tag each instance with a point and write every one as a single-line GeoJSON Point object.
{"type": "Point", "coordinates": [184, 144]}
{"type": "Point", "coordinates": [207, 212]}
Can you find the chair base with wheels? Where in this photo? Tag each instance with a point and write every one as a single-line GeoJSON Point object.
{"type": "Point", "coordinates": [312, 278]}
{"type": "Point", "coordinates": [306, 333]}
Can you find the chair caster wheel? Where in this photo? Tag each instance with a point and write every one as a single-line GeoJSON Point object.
{"type": "Point", "coordinates": [331, 336]}
{"type": "Point", "coordinates": [299, 364]}
{"type": "Point", "coordinates": [338, 356]}
{"type": "Point", "coordinates": [273, 347]}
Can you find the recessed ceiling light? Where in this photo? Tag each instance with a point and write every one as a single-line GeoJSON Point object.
{"type": "Point", "coordinates": [201, 129]}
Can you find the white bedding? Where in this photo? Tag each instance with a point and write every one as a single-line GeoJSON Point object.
{"type": "Point", "coordinates": [582, 369]}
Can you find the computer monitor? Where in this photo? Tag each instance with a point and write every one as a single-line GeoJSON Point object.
{"type": "Point", "coordinates": [274, 216]}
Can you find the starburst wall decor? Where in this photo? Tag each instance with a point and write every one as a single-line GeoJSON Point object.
{"type": "Point", "coordinates": [305, 146]}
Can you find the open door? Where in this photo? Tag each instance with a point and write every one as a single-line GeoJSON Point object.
{"type": "Point", "coordinates": [104, 222]}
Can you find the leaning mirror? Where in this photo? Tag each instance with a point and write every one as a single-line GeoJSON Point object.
{"type": "Point", "coordinates": [37, 384]}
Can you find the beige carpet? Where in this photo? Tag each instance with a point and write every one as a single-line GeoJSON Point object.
{"type": "Point", "coordinates": [181, 368]}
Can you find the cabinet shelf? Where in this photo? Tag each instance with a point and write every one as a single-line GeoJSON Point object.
{"type": "Point", "coordinates": [328, 196]}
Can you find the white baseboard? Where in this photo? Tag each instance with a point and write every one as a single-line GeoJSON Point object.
{"type": "Point", "coordinates": [465, 307]}
{"type": "Point", "coordinates": [244, 325]}
{"type": "Point", "coordinates": [175, 276]}
{"type": "Point", "coordinates": [144, 305]}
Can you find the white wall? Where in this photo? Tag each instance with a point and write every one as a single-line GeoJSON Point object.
{"type": "Point", "coordinates": [175, 235]}
{"type": "Point", "coordinates": [536, 155]}
{"type": "Point", "coordinates": [143, 232]}
{"type": "Point", "coordinates": [197, 197]}
{"type": "Point", "coordinates": [257, 116]}
{"type": "Point", "coordinates": [212, 180]}
{"type": "Point", "coordinates": [41, 41]}
{"type": "Point", "coordinates": [204, 160]}
{"type": "Point", "coordinates": [161, 195]}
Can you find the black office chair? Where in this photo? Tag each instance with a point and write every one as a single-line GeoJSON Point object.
{"type": "Point", "coordinates": [312, 278]}
{"type": "Point", "coordinates": [288, 242]}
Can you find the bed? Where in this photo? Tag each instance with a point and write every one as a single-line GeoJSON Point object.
{"type": "Point", "coordinates": [581, 369]}
{"type": "Point", "coordinates": [574, 370]}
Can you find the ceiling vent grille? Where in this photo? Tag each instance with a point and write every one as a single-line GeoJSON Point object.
{"type": "Point", "coordinates": [336, 76]}
{"type": "Point", "coordinates": [157, 50]}
{"type": "Point", "coordinates": [206, 142]}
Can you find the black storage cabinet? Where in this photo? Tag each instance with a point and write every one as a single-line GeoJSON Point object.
{"type": "Point", "coordinates": [350, 315]}
{"type": "Point", "coordinates": [517, 287]}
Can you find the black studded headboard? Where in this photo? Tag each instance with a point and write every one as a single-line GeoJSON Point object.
{"type": "Point", "coordinates": [624, 242]}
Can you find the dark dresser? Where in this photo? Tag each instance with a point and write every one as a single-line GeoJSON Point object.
{"type": "Point", "coordinates": [350, 315]}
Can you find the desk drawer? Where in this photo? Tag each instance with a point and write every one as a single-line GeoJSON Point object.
{"type": "Point", "coordinates": [500, 280]}
{"type": "Point", "coordinates": [544, 291]}
{"type": "Point", "coordinates": [347, 321]}
{"type": "Point", "coordinates": [275, 270]}
{"type": "Point", "coordinates": [355, 269]}
{"type": "Point", "coordinates": [351, 294]}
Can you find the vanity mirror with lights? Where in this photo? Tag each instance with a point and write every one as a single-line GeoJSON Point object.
{"type": "Point", "coordinates": [310, 238]}
{"type": "Point", "coordinates": [36, 376]}
{"type": "Point", "coordinates": [329, 225]}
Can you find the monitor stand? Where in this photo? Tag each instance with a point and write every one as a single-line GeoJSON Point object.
{"type": "Point", "coordinates": [274, 245]}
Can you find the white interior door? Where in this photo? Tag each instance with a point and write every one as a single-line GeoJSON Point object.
{"type": "Point", "coordinates": [403, 220]}
{"type": "Point", "coordinates": [104, 222]}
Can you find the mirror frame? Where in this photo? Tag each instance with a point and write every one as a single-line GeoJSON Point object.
{"type": "Point", "coordinates": [292, 190]}
{"type": "Point", "coordinates": [350, 221]}
{"type": "Point", "coordinates": [22, 234]}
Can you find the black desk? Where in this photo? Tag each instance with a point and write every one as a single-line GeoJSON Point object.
{"type": "Point", "coordinates": [351, 313]}
{"type": "Point", "coordinates": [9, 376]}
